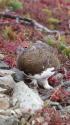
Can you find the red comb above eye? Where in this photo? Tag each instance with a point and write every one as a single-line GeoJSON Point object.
{"type": "Point", "coordinates": [25, 45]}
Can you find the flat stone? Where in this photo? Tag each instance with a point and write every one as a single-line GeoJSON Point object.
{"type": "Point", "coordinates": [6, 72]}
{"type": "Point", "coordinates": [7, 81]}
{"type": "Point", "coordinates": [40, 119]}
{"type": "Point", "coordinates": [6, 112]}
{"type": "Point", "coordinates": [4, 65]}
{"type": "Point", "coordinates": [2, 95]}
{"type": "Point", "coordinates": [23, 121]}
{"type": "Point", "coordinates": [4, 103]}
{"type": "Point", "coordinates": [2, 90]}
{"type": "Point", "coordinates": [52, 103]}
{"type": "Point", "coordinates": [18, 112]}
{"type": "Point", "coordinates": [9, 112]}
{"type": "Point", "coordinates": [49, 102]}
{"type": "Point", "coordinates": [29, 100]}
{"type": "Point", "coordinates": [8, 120]}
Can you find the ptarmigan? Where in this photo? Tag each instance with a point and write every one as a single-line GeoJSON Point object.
{"type": "Point", "coordinates": [38, 61]}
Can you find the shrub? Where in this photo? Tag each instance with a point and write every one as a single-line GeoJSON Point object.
{"type": "Point", "coordinates": [15, 4]}
{"type": "Point", "coordinates": [9, 34]}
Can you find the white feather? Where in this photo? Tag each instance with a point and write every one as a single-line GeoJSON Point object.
{"type": "Point", "coordinates": [42, 78]}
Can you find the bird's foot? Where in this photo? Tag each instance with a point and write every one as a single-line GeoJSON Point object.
{"type": "Point", "coordinates": [48, 87]}
{"type": "Point", "coordinates": [34, 83]}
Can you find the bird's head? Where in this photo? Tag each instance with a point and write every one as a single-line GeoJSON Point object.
{"type": "Point", "coordinates": [25, 46]}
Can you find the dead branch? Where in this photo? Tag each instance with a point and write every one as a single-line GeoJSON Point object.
{"type": "Point", "coordinates": [25, 20]}
{"type": "Point", "coordinates": [31, 22]}
{"type": "Point", "coordinates": [38, 25]}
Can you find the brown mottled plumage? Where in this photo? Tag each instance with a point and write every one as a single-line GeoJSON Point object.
{"type": "Point", "coordinates": [34, 58]}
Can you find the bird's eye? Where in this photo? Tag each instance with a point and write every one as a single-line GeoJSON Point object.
{"type": "Point", "coordinates": [25, 45]}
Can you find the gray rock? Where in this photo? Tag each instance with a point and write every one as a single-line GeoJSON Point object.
{"type": "Point", "coordinates": [26, 116]}
{"type": "Point", "coordinates": [52, 103]}
{"type": "Point", "coordinates": [67, 109]}
{"type": "Point", "coordinates": [69, 101]}
{"type": "Point", "coordinates": [6, 112]}
{"type": "Point", "coordinates": [23, 121]}
{"type": "Point", "coordinates": [4, 103]}
{"type": "Point", "coordinates": [2, 95]}
{"type": "Point", "coordinates": [28, 99]}
{"type": "Point", "coordinates": [9, 112]}
{"type": "Point", "coordinates": [68, 90]}
{"type": "Point", "coordinates": [6, 72]}
{"type": "Point", "coordinates": [40, 120]}
{"type": "Point", "coordinates": [18, 113]}
{"type": "Point", "coordinates": [2, 90]}
{"type": "Point", "coordinates": [46, 116]}
{"type": "Point", "coordinates": [8, 120]}
{"type": "Point", "coordinates": [1, 56]}
{"type": "Point", "coordinates": [4, 65]}
{"type": "Point", "coordinates": [13, 101]}
{"type": "Point", "coordinates": [18, 76]}
{"type": "Point", "coordinates": [28, 123]}
{"type": "Point", "coordinates": [7, 81]}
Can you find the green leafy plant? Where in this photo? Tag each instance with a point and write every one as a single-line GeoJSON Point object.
{"type": "Point", "coordinates": [50, 41]}
{"type": "Point", "coordinates": [52, 26]}
{"type": "Point", "coordinates": [66, 52]}
{"type": "Point", "coordinates": [9, 34]}
{"type": "Point", "coordinates": [6, 31]}
{"type": "Point", "coordinates": [6, 3]}
{"type": "Point", "coordinates": [47, 11]}
{"type": "Point", "coordinates": [27, 15]}
{"type": "Point", "coordinates": [15, 4]}
{"type": "Point", "coordinates": [53, 20]}
{"type": "Point", "coordinates": [60, 47]}
{"type": "Point", "coordinates": [63, 40]}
